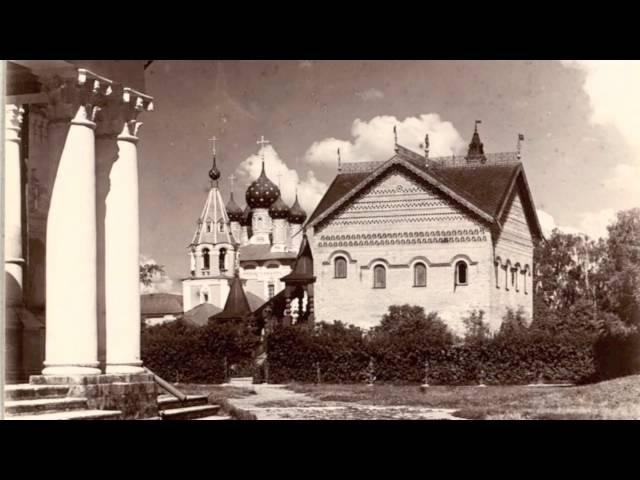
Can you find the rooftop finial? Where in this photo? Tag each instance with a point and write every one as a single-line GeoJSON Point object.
{"type": "Point", "coordinates": [214, 173]}
{"type": "Point", "coordinates": [519, 147]}
{"type": "Point", "coordinates": [475, 128]}
{"type": "Point", "coordinates": [475, 154]}
{"type": "Point", "coordinates": [426, 146]}
{"type": "Point", "coordinates": [262, 142]}
{"type": "Point", "coordinates": [232, 181]}
{"type": "Point", "coordinates": [339, 162]}
{"type": "Point", "coordinates": [395, 135]}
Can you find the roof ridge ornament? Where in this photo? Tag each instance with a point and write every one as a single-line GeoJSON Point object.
{"type": "Point", "coordinates": [519, 146]}
{"type": "Point", "coordinates": [339, 165]}
{"type": "Point", "coordinates": [214, 173]}
{"type": "Point", "coordinates": [395, 136]}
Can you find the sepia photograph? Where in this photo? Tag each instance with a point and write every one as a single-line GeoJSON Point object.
{"type": "Point", "coordinates": [320, 240]}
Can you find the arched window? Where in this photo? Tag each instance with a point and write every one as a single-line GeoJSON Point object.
{"type": "Point", "coordinates": [221, 257]}
{"type": "Point", "coordinates": [272, 289]}
{"type": "Point", "coordinates": [205, 297]}
{"type": "Point", "coordinates": [514, 278]}
{"type": "Point", "coordinates": [221, 227]}
{"type": "Point", "coordinates": [205, 259]}
{"type": "Point", "coordinates": [340, 267]}
{"type": "Point", "coordinates": [420, 275]}
{"type": "Point", "coordinates": [379, 277]}
{"type": "Point", "coordinates": [461, 273]}
{"type": "Point", "coordinates": [496, 266]}
{"type": "Point", "coordinates": [208, 226]}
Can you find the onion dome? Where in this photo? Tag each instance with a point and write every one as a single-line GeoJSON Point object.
{"type": "Point", "coordinates": [214, 173]}
{"type": "Point", "coordinates": [245, 220]}
{"type": "Point", "coordinates": [296, 214]}
{"type": "Point", "coordinates": [279, 209]}
{"type": "Point", "coordinates": [234, 212]}
{"type": "Point", "coordinates": [262, 192]}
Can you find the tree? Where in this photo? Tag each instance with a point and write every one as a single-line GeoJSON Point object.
{"type": "Point", "coordinates": [404, 321]}
{"type": "Point", "coordinates": [476, 329]}
{"type": "Point", "coordinates": [147, 272]}
{"type": "Point", "coordinates": [623, 268]}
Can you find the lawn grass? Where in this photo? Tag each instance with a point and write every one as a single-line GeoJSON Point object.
{"type": "Point", "coordinates": [613, 399]}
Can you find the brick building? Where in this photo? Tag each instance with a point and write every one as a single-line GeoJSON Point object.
{"type": "Point", "coordinates": [450, 234]}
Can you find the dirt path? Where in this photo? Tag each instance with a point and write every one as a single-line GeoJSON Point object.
{"type": "Point", "coordinates": [276, 402]}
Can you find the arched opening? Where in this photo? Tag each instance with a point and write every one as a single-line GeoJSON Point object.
{"type": "Point", "coordinates": [208, 226]}
{"type": "Point", "coordinates": [206, 264]}
{"type": "Point", "coordinates": [221, 227]}
{"type": "Point", "coordinates": [461, 273]}
{"type": "Point", "coordinates": [379, 276]}
{"type": "Point", "coordinates": [222, 254]}
{"type": "Point", "coordinates": [340, 267]}
{"type": "Point", "coordinates": [419, 275]}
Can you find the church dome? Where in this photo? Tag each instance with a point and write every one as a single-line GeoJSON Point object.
{"type": "Point", "coordinates": [245, 220]}
{"type": "Point", "coordinates": [234, 212]}
{"type": "Point", "coordinates": [296, 213]}
{"type": "Point", "coordinates": [262, 192]}
{"type": "Point", "coordinates": [214, 173]}
{"type": "Point", "coordinates": [279, 209]}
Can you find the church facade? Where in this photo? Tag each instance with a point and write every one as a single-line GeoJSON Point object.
{"type": "Point", "coordinates": [261, 241]}
{"type": "Point", "coordinates": [449, 234]}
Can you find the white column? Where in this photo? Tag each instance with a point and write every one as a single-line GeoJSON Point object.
{"type": "Point", "coordinates": [72, 333]}
{"type": "Point", "coordinates": [13, 260]}
{"type": "Point", "coordinates": [122, 245]}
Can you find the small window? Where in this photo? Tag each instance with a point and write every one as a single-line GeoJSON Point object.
{"type": "Point", "coordinates": [340, 267]}
{"type": "Point", "coordinates": [379, 277]}
{"type": "Point", "coordinates": [221, 227]}
{"type": "Point", "coordinates": [205, 259]}
{"type": "Point", "coordinates": [461, 273]}
{"type": "Point", "coordinates": [272, 290]}
{"type": "Point", "coordinates": [221, 259]}
{"type": "Point", "coordinates": [209, 226]}
{"type": "Point", "coordinates": [514, 278]}
{"type": "Point", "coordinates": [496, 267]}
{"type": "Point", "coordinates": [420, 275]}
{"type": "Point", "coordinates": [273, 265]}
{"type": "Point", "coordinates": [205, 297]}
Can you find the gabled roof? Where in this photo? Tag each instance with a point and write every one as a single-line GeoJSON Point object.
{"type": "Point", "coordinates": [483, 189]}
{"type": "Point", "coordinates": [199, 315]}
{"type": "Point", "coordinates": [262, 252]}
{"type": "Point", "coordinates": [160, 304]}
{"type": "Point", "coordinates": [303, 268]}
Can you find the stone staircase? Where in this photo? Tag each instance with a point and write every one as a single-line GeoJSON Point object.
{"type": "Point", "coordinates": [195, 407]}
{"type": "Point", "coordinates": [50, 402]}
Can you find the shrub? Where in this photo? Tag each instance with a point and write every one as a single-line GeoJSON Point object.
{"type": "Point", "coordinates": [476, 329]}
{"type": "Point", "coordinates": [179, 352]}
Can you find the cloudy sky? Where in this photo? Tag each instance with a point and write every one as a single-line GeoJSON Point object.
{"type": "Point", "coordinates": [580, 120]}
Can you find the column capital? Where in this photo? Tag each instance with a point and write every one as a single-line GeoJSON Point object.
{"type": "Point", "coordinates": [120, 115]}
{"type": "Point", "coordinates": [13, 122]}
{"type": "Point", "coordinates": [78, 97]}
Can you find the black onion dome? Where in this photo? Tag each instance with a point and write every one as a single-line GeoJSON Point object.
{"type": "Point", "coordinates": [234, 212]}
{"type": "Point", "coordinates": [296, 213]}
{"type": "Point", "coordinates": [245, 220]}
{"type": "Point", "coordinates": [263, 192]}
{"type": "Point", "coordinates": [279, 209]}
{"type": "Point", "coordinates": [214, 173]}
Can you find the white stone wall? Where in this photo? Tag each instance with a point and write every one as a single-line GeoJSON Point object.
{"type": "Point", "coordinates": [513, 250]}
{"type": "Point", "coordinates": [398, 222]}
{"type": "Point", "coordinates": [258, 278]}
{"type": "Point", "coordinates": [192, 289]}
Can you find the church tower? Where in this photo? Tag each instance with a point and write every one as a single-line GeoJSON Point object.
{"type": "Point", "coordinates": [260, 195]}
{"type": "Point", "coordinates": [212, 250]}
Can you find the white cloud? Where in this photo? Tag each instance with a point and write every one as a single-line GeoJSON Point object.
{"type": "Point", "coordinates": [373, 140]}
{"type": "Point", "coordinates": [160, 283]}
{"type": "Point", "coordinates": [310, 189]}
{"type": "Point", "coordinates": [370, 94]}
{"type": "Point", "coordinates": [613, 87]}
{"type": "Point", "coordinates": [593, 224]}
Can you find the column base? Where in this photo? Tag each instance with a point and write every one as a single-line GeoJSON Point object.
{"type": "Point", "coordinates": [133, 367]}
{"type": "Point", "coordinates": [64, 370]}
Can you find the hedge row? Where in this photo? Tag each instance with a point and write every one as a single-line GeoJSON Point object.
{"type": "Point", "coordinates": [182, 353]}
{"type": "Point", "coordinates": [305, 356]}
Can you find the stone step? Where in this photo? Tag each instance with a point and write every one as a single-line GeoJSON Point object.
{"type": "Point", "coordinates": [190, 413]}
{"type": "Point", "coordinates": [44, 405]}
{"type": "Point", "coordinates": [72, 415]}
{"type": "Point", "coordinates": [166, 402]}
{"type": "Point", "coordinates": [26, 391]}
{"type": "Point", "coordinates": [215, 417]}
